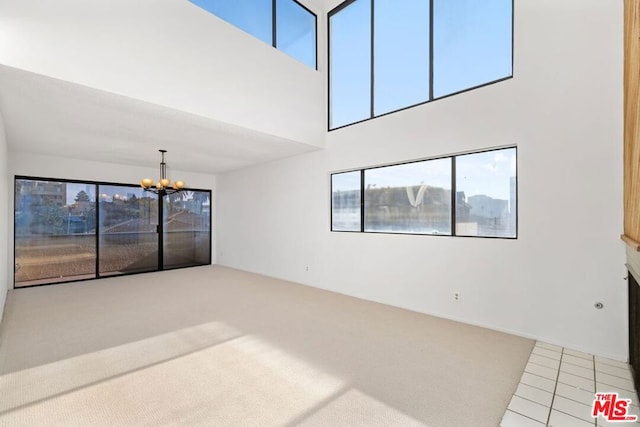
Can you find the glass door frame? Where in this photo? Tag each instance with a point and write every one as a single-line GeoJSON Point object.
{"type": "Point", "coordinates": [97, 184]}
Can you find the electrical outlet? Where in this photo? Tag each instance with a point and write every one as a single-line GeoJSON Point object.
{"type": "Point", "coordinates": [456, 296]}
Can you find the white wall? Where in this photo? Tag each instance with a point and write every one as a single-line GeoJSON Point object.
{"type": "Point", "coordinates": [563, 109]}
{"type": "Point", "coordinates": [166, 52]}
{"type": "Point", "coordinates": [4, 219]}
{"type": "Point", "coordinates": [34, 165]}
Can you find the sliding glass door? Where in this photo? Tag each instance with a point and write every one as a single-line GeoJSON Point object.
{"type": "Point", "coordinates": [128, 236]}
{"type": "Point", "coordinates": [70, 230]}
{"type": "Point", "coordinates": [55, 238]}
{"type": "Point", "coordinates": [186, 229]}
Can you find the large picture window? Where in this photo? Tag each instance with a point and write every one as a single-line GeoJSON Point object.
{"type": "Point", "coordinates": [386, 55]}
{"type": "Point", "coordinates": [285, 24]}
{"type": "Point", "coordinates": [409, 198]}
{"type": "Point", "coordinates": [70, 230]}
{"type": "Point", "coordinates": [473, 195]}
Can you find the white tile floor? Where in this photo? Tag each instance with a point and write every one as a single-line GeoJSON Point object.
{"type": "Point", "coordinates": [558, 385]}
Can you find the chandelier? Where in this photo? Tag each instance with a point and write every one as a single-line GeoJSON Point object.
{"type": "Point", "coordinates": [163, 186]}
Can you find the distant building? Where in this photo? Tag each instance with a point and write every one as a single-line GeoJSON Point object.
{"type": "Point", "coordinates": [513, 202]}
{"type": "Point", "coordinates": [47, 192]}
{"type": "Point", "coordinates": [488, 207]}
{"type": "Point", "coordinates": [463, 209]}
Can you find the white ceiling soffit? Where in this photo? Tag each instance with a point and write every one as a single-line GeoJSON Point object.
{"type": "Point", "coordinates": [44, 115]}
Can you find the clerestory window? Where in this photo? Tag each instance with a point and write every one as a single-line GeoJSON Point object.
{"type": "Point", "coordinates": [387, 55]}
{"type": "Point", "coordinates": [284, 24]}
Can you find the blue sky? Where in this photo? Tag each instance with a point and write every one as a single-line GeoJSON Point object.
{"type": "Point", "coordinates": [487, 173]}
{"type": "Point", "coordinates": [295, 26]}
{"type": "Point", "coordinates": [472, 46]}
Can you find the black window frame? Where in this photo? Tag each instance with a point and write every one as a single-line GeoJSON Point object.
{"type": "Point", "coordinates": [361, 173]}
{"type": "Point", "coordinates": [274, 30]}
{"type": "Point", "coordinates": [97, 275]}
{"type": "Point", "coordinates": [454, 192]}
{"type": "Point", "coordinates": [274, 35]}
{"type": "Point", "coordinates": [430, 97]}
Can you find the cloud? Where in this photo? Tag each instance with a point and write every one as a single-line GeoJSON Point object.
{"type": "Point", "coordinates": [500, 158]}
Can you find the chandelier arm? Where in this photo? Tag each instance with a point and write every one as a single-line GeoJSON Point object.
{"type": "Point", "coordinates": [163, 192]}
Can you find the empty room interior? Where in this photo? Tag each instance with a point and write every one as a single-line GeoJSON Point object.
{"type": "Point", "coordinates": [319, 212]}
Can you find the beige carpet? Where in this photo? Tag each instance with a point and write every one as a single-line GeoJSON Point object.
{"type": "Point", "coordinates": [213, 346]}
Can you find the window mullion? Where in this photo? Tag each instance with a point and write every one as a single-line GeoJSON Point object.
{"type": "Point", "coordinates": [430, 94]}
{"type": "Point", "coordinates": [372, 97]}
{"type": "Point", "coordinates": [274, 33]}
{"type": "Point", "coordinates": [454, 195]}
{"type": "Point", "coordinates": [97, 196]}
{"type": "Point", "coordinates": [362, 204]}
